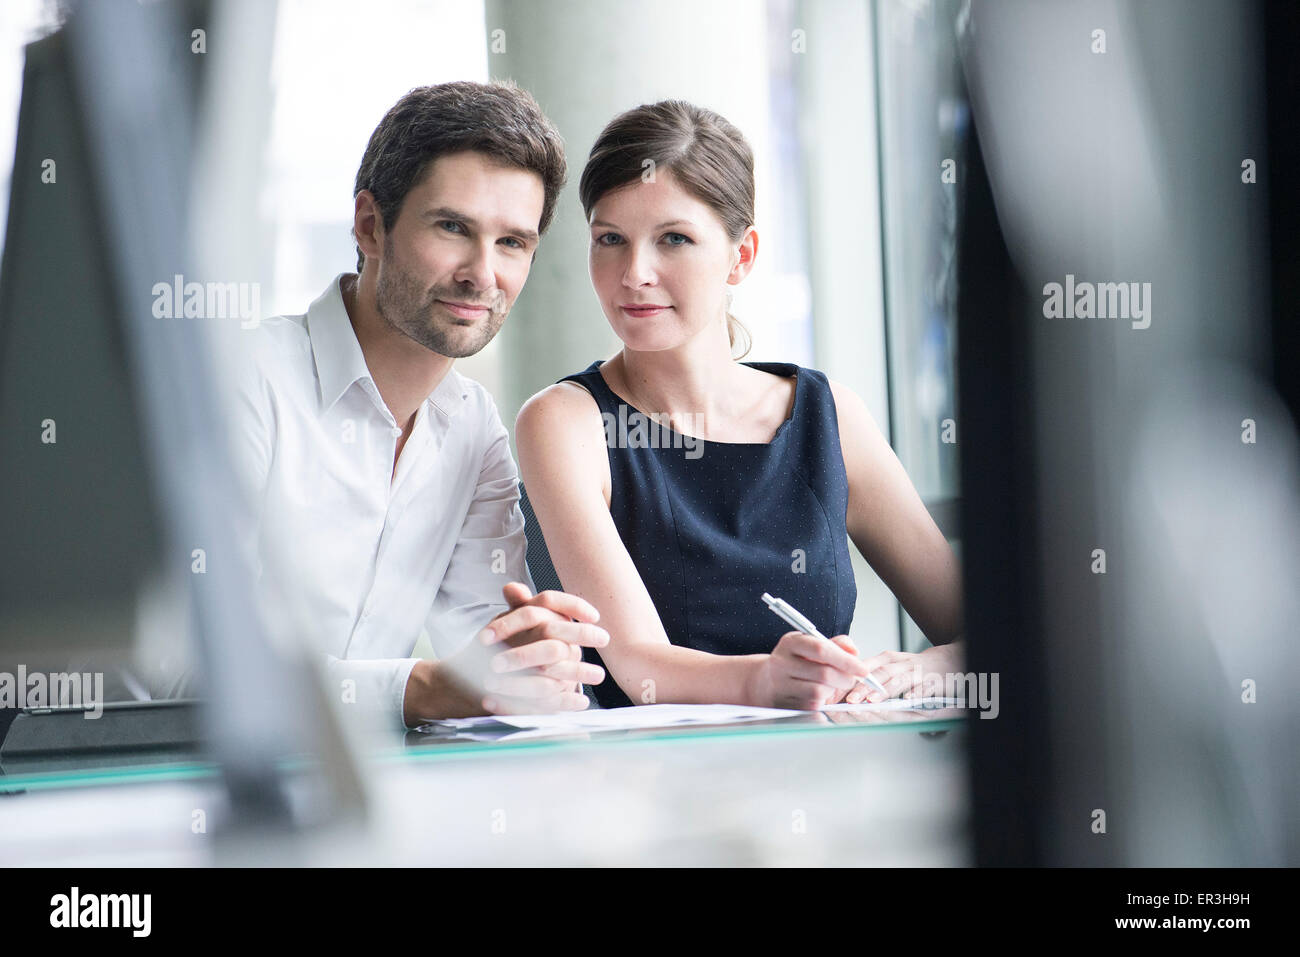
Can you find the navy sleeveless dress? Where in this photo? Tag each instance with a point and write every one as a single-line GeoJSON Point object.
{"type": "Point", "coordinates": [713, 526]}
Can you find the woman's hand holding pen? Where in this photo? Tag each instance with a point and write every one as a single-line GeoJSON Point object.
{"type": "Point", "coordinates": [806, 673]}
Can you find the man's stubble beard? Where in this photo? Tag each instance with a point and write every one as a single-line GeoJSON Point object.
{"type": "Point", "coordinates": [412, 311]}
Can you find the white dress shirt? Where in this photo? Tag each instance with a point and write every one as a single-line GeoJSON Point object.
{"type": "Point", "coordinates": [349, 555]}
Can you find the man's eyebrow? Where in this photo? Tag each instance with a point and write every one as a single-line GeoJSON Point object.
{"type": "Point", "coordinates": [446, 212]}
{"type": "Point", "coordinates": [671, 222]}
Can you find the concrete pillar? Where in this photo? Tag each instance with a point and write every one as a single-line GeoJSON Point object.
{"type": "Point", "coordinates": [586, 61]}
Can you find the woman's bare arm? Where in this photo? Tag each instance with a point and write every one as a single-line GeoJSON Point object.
{"type": "Point", "coordinates": [891, 527]}
{"type": "Point", "coordinates": [563, 459]}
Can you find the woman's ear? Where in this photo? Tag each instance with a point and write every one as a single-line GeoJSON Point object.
{"type": "Point", "coordinates": [746, 252]}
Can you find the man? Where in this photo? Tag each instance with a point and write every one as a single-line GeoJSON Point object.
{"type": "Point", "coordinates": [386, 494]}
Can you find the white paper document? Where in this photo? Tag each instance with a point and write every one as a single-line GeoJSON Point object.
{"type": "Point", "coordinates": [620, 719]}
{"type": "Point", "coordinates": [898, 704]}
{"type": "Point", "coordinates": [499, 727]}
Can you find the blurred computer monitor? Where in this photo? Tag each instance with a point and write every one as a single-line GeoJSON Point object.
{"type": "Point", "coordinates": [81, 526]}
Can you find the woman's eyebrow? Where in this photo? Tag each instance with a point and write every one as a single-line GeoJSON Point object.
{"type": "Point", "coordinates": [671, 222]}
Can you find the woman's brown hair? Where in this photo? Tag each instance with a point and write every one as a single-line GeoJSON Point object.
{"type": "Point", "coordinates": [709, 157]}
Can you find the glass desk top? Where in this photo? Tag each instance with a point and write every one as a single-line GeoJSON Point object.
{"type": "Point", "coordinates": [105, 767]}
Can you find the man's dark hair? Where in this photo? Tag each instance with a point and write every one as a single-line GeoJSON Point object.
{"type": "Point", "coordinates": [497, 119]}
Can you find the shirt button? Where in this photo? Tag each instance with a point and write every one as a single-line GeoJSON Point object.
{"type": "Point", "coordinates": [396, 432]}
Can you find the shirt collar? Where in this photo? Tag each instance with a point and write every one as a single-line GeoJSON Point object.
{"type": "Point", "coordinates": [340, 361]}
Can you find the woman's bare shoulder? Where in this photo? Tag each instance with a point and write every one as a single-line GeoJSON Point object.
{"type": "Point", "coordinates": [564, 404]}
{"type": "Point", "coordinates": [560, 438]}
{"type": "Point", "coordinates": [560, 432]}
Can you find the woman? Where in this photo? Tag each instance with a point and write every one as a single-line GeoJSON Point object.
{"type": "Point", "coordinates": [675, 485]}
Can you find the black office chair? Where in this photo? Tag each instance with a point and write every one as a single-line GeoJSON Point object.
{"type": "Point", "coordinates": [542, 570]}
{"type": "Point", "coordinates": [539, 558]}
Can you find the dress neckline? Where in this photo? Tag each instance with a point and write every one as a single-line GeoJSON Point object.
{"type": "Point", "coordinates": [768, 367]}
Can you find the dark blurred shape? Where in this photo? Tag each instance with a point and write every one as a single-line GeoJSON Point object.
{"type": "Point", "coordinates": [1132, 485]}
{"type": "Point", "coordinates": [995, 380]}
{"type": "Point", "coordinates": [1282, 79]}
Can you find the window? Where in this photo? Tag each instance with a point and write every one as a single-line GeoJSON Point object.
{"type": "Point", "coordinates": [924, 120]}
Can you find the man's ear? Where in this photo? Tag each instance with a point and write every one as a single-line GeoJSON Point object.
{"type": "Point", "coordinates": [368, 224]}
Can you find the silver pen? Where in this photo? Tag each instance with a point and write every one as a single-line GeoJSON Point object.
{"type": "Point", "coordinates": [790, 615]}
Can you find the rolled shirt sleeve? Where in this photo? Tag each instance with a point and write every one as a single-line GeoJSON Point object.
{"type": "Point", "coordinates": [374, 684]}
